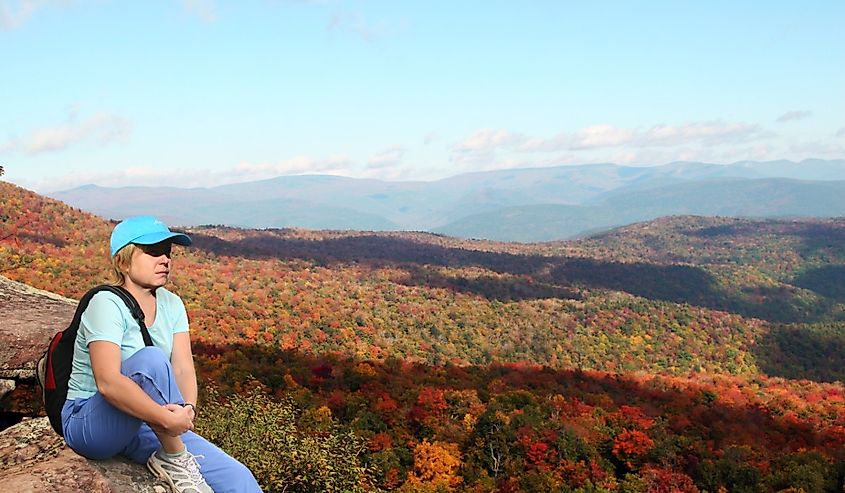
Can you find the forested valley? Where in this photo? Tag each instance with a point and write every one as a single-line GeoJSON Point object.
{"type": "Point", "coordinates": [685, 354]}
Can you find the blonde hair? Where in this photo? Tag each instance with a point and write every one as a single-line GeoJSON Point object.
{"type": "Point", "coordinates": [120, 263]}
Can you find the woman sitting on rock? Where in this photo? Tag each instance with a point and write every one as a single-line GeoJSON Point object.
{"type": "Point", "coordinates": [126, 398]}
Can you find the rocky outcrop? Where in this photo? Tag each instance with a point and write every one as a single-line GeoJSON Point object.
{"type": "Point", "coordinates": [28, 318]}
{"type": "Point", "coordinates": [32, 457]}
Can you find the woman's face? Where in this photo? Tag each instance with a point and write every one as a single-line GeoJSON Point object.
{"type": "Point", "coordinates": [150, 267]}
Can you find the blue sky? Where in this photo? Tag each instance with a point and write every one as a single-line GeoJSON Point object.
{"type": "Point", "coordinates": [203, 92]}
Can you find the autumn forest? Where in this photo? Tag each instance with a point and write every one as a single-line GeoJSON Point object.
{"type": "Point", "coordinates": [685, 354]}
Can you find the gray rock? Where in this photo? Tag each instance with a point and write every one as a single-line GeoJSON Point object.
{"type": "Point", "coordinates": [6, 386]}
{"type": "Point", "coordinates": [28, 319]}
{"type": "Point", "coordinates": [33, 458]}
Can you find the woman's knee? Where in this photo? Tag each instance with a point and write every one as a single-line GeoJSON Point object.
{"type": "Point", "coordinates": [151, 370]}
{"type": "Point", "coordinates": [149, 358]}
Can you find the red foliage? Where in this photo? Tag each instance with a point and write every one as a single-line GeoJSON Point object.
{"type": "Point", "coordinates": [430, 402]}
{"type": "Point", "coordinates": [385, 405]}
{"type": "Point", "coordinates": [634, 417]}
{"type": "Point", "coordinates": [631, 446]}
{"type": "Point", "coordinates": [380, 441]}
{"type": "Point", "coordinates": [408, 325]}
{"type": "Point", "coordinates": [667, 481]}
{"type": "Point", "coordinates": [574, 473]}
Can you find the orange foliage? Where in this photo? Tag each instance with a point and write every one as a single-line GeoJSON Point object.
{"type": "Point", "coordinates": [544, 359]}
{"type": "Point", "coordinates": [436, 463]}
{"type": "Point", "coordinates": [660, 480]}
{"type": "Point", "coordinates": [631, 446]}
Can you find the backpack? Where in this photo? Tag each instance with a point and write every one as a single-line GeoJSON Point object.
{"type": "Point", "coordinates": [54, 367]}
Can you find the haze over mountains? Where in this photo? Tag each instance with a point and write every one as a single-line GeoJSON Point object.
{"type": "Point", "coordinates": [535, 204]}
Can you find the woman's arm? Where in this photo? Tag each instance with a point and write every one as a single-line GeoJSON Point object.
{"type": "Point", "coordinates": [124, 394]}
{"type": "Point", "coordinates": [182, 360]}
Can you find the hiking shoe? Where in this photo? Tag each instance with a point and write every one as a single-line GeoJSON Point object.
{"type": "Point", "coordinates": [182, 473]}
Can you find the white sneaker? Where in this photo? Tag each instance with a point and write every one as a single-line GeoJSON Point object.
{"type": "Point", "coordinates": [182, 473]}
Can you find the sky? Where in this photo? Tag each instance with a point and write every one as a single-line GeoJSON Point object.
{"type": "Point", "coordinates": [199, 93]}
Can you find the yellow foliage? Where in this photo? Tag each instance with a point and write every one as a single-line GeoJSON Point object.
{"type": "Point", "coordinates": [319, 419]}
{"type": "Point", "coordinates": [365, 369]}
{"type": "Point", "coordinates": [290, 383]}
{"type": "Point", "coordinates": [436, 463]}
{"type": "Point", "coordinates": [469, 422]}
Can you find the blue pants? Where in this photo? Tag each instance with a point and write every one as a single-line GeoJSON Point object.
{"type": "Point", "coordinates": [97, 430]}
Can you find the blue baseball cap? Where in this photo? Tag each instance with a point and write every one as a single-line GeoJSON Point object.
{"type": "Point", "coordinates": [143, 230]}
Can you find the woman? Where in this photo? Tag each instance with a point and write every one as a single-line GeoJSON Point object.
{"type": "Point", "coordinates": [140, 402]}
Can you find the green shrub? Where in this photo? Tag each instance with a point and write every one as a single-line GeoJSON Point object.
{"type": "Point", "coordinates": [807, 471]}
{"type": "Point", "coordinates": [263, 434]}
{"type": "Point", "coordinates": [734, 470]}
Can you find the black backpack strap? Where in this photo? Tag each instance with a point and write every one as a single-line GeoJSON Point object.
{"type": "Point", "coordinates": [56, 366]}
{"type": "Point", "coordinates": [134, 308]}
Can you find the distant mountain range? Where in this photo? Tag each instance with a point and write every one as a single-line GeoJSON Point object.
{"type": "Point", "coordinates": [536, 204]}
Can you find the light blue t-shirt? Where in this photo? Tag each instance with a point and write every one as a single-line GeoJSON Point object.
{"type": "Point", "coordinates": [107, 318]}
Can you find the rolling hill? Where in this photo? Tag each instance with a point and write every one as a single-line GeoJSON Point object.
{"type": "Point", "coordinates": [507, 205]}
{"type": "Point", "coordinates": [684, 353]}
{"type": "Point", "coordinates": [434, 299]}
{"type": "Point", "coordinates": [753, 198]}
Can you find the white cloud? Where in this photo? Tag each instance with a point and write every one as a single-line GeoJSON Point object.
{"type": "Point", "coordinates": [482, 148]}
{"type": "Point", "coordinates": [558, 160]}
{"type": "Point", "coordinates": [191, 177]}
{"type": "Point", "coordinates": [204, 9]}
{"type": "Point", "coordinates": [601, 136]}
{"type": "Point", "coordinates": [100, 128]}
{"type": "Point", "coordinates": [14, 14]}
{"type": "Point", "coordinates": [113, 178]}
{"type": "Point", "coordinates": [487, 140]}
{"type": "Point", "coordinates": [794, 115]}
{"type": "Point", "coordinates": [655, 156]}
{"type": "Point", "coordinates": [293, 166]}
{"type": "Point", "coordinates": [818, 149]}
{"type": "Point", "coordinates": [707, 133]}
{"type": "Point", "coordinates": [706, 141]}
{"type": "Point", "coordinates": [470, 161]}
{"type": "Point", "coordinates": [840, 132]}
{"type": "Point", "coordinates": [595, 136]}
{"type": "Point", "coordinates": [387, 158]}
{"type": "Point", "coordinates": [367, 30]}
{"type": "Point", "coordinates": [402, 172]}
{"type": "Point", "coordinates": [755, 152]}
{"type": "Point", "coordinates": [608, 136]}
{"type": "Point", "coordinates": [493, 158]}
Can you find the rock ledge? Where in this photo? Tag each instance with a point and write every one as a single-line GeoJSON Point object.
{"type": "Point", "coordinates": [32, 457]}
